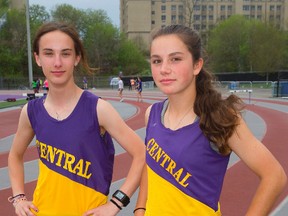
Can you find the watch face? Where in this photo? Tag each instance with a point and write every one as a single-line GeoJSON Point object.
{"type": "Point", "coordinates": [120, 195]}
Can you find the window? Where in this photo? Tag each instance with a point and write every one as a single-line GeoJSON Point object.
{"type": "Point", "coordinates": [196, 17]}
{"type": "Point", "coordinates": [197, 7]}
{"type": "Point", "coordinates": [278, 7]}
{"type": "Point", "coordinates": [246, 7]}
{"type": "Point", "coordinates": [222, 7]}
{"type": "Point", "coordinates": [163, 8]}
{"type": "Point", "coordinates": [197, 26]}
{"type": "Point", "coordinates": [173, 7]}
{"type": "Point", "coordinates": [163, 18]}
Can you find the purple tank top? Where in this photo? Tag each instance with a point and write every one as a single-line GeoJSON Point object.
{"type": "Point", "coordinates": [185, 159]}
{"type": "Point", "coordinates": [74, 147]}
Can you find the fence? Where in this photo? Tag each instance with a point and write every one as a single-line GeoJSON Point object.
{"type": "Point", "coordinates": [267, 88]}
{"type": "Point", "coordinates": [272, 88]}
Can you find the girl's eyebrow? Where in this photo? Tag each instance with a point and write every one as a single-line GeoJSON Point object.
{"type": "Point", "coordinates": [63, 50]}
{"type": "Point", "coordinates": [171, 54]}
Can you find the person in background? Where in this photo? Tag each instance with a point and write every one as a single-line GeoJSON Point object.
{"type": "Point", "coordinates": [120, 88]}
{"type": "Point", "coordinates": [139, 89]}
{"type": "Point", "coordinates": [74, 130]}
{"type": "Point", "coordinates": [46, 85]}
{"type": "Point", "coordinates": [85, 83]}
{"type": "Point", "coordinates": [35, 86]}
{"type": "Point", "coordinates": [191, 134]}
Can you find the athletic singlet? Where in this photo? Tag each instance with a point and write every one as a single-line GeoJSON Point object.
{"type": "Point", "coordinates": [76, 162]}
{"type": "Point", "coordinates": [185, 175]}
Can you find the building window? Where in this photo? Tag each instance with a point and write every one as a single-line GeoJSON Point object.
{"type": "Point", "coordinates": [278, 7]}
{"type": "Point", "coordinates": [222, 7]}
{"type": "Point", "coordinates": [180, 8]}
{"type": "Point", "coordinates": [153, 12]}
{"type": "Point", "coordinates": [196, 17]}
{"type": "Point", "coordinates": [204, 7]}
{"type": "Point", "coordinates": [211, 17]}
{"type": "Point", "coordinates": [259, 7]}
{"type": "Point", "coordinates": [246, 7]}
{"type": "Point", "coordinates": [173, 7]}
{"type": "Point", "coordinates": [229, 7]}
{"type": "Point", "coordinates": [163, 18]}
{"type": "Point", "coordinates": [197, 7]}
{"type": "Point", "coordinates": [173, 17]}
{"type": "Point", "coordinates": [153, 22]}
{"type": "Point", "coordinates": [272, 7]}
{"type": "Point", "coordinates": [210, 7]}
{"type": "Point", "coordinates": [197, 26]}
{"type": "Point", "coordinates": [163, 8]}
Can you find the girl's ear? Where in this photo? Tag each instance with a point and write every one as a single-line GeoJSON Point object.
{"type": "Point", "coordinates": [198, 66]}
{"type": "Point", "coordinates": [37, 59]}
{"type": "Point", "coordinates": [77, 60]}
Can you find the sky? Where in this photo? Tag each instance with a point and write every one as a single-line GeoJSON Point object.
{"type": "Point", "coordinates": [110, 6]}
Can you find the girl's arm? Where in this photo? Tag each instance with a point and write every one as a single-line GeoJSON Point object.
{"type": "Point", "coordinates": [111, 121]}
{"type": "Point", "coordinates": [261, 161]}
{"type": "Point", "coordinates": [140, 207]}
{"type": "Point", "coordinates": [22, 139]}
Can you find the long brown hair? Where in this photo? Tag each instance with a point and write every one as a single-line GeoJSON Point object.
{"type": "Point", "coordinates": [71, 32]}
{"type": "Point", "coordinates": [218, 117]}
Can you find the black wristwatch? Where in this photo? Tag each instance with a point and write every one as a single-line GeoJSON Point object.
{"type": "Point", "coordinates": [122, 197]}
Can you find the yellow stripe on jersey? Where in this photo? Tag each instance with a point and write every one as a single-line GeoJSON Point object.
{"type": "Point", "coordinates": [72, 198]}
{"type": "Point", "coordinates": [166, 199]}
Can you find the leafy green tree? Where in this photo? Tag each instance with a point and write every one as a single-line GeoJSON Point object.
{"type": "Point", "coordinates": [267, 47]}
{"type": "Point", "coordinates": [239, 44]}
{"type": "Point", "coordinates": [101, 42]}
{"type": "Point", "coordinates": [227, 45]}
{"type": "Point", "coordinates": [131, 59]}
{"type": "Point", "coordinates": [13, 45]}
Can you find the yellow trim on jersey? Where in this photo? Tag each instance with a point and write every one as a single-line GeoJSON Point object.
{"type": "Point", "coordinates": [166, 199]}
{"type": "Point", "coordinates": [71, 198]}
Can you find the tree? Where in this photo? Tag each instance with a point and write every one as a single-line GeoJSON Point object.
{"type": "Point", "coordinates": [189, 7]}
{"type": "Point", "coordinates": [267, 47]}
{"type": "Point", "coordinates": [227, 45]}
{"type": "Point", "coordinates": [130, 58]}
{"type": "Point", "coordinates": [13, 45]}
{"type": "Point", "coordinates": [101, 42]}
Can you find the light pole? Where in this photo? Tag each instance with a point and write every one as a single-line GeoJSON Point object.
{"type": "Point", "coordinates": [30, 72]}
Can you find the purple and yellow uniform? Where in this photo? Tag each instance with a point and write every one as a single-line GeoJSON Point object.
{"type": "Point", "coordinates": [185, 175]}
{"type": "Point", "coordinates": [76, 162]}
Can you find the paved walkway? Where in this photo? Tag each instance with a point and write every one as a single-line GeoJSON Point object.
{"type": "Point", "coordinates": [267, 118]}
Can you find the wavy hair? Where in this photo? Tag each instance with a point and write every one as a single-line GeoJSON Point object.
{"type": "Point", "coordinates": [219, 116]}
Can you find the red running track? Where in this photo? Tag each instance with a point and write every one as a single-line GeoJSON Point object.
{"type": "Point", "coordinates": [239, 185]}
